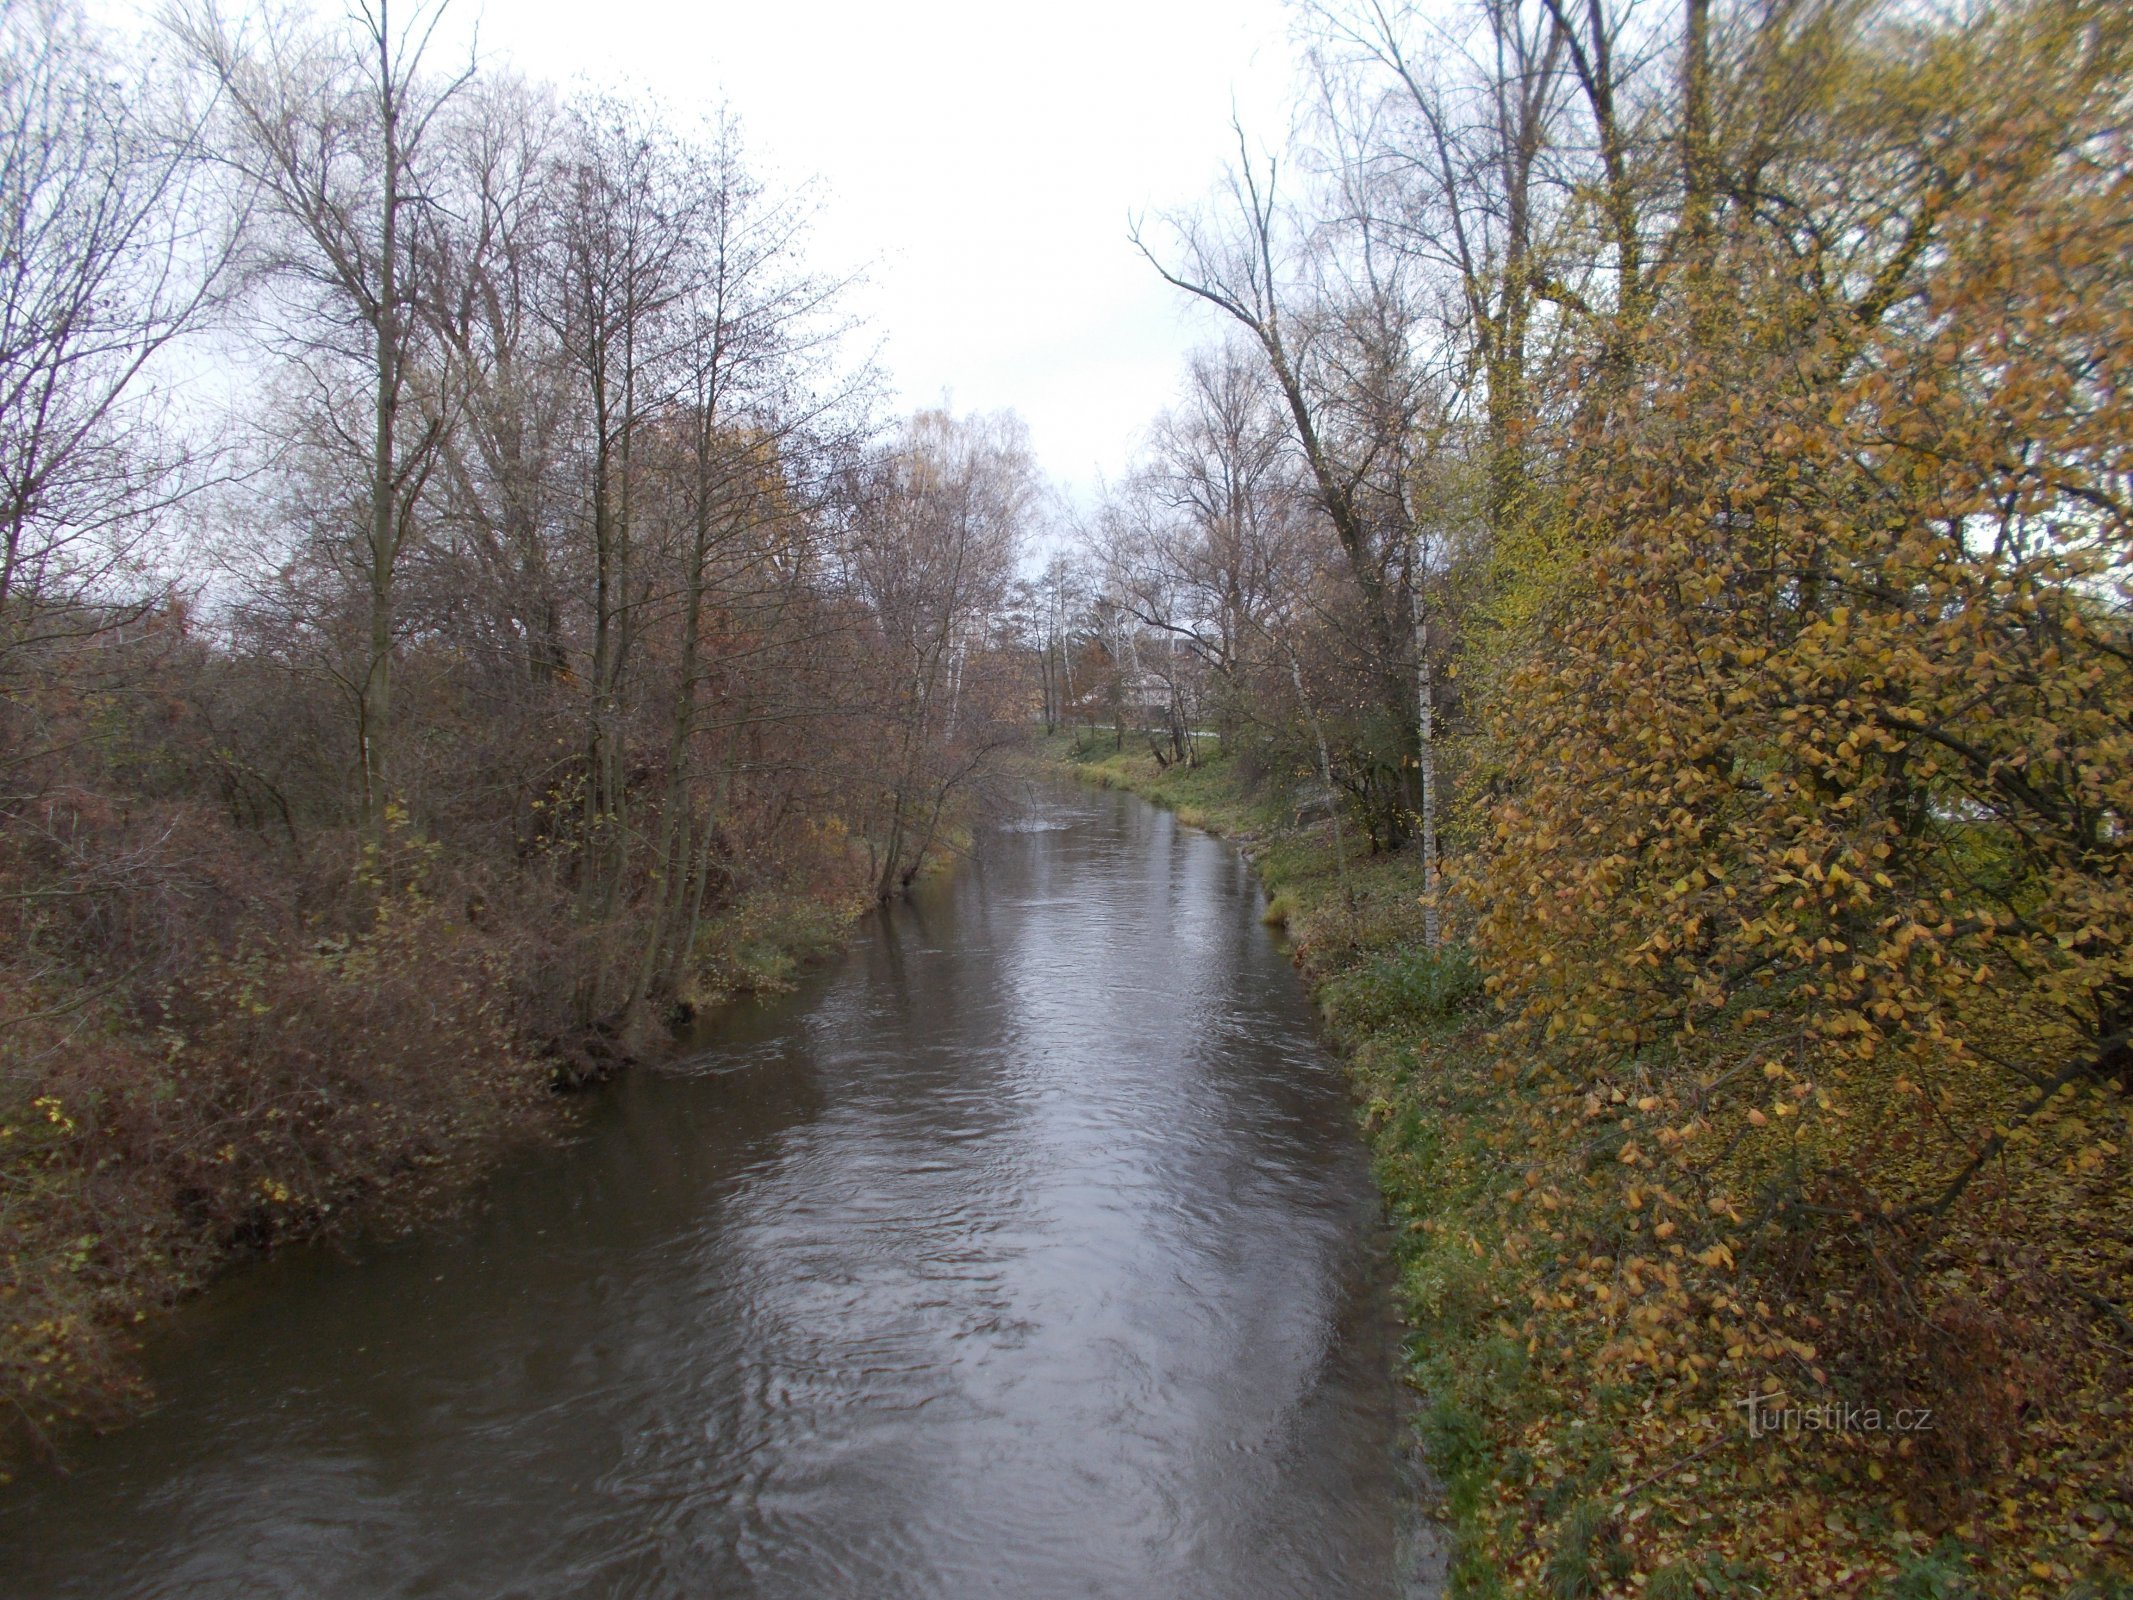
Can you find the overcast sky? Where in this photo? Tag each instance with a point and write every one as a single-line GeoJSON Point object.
{"type": "Point", "coordinates": [980, 159]}
{"type": "Point", "coordinates": [977, 161]}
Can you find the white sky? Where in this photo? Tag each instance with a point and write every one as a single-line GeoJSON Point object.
{"type": "Point", "coordinates": [980, 159]}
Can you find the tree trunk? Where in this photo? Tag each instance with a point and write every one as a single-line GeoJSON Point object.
{"type": "Point", "coordinates": [1426, 739]}
{"type": "Point", "coordinates": [1325, 776]}
{"type": "Point", "coordinates": [375, 718]}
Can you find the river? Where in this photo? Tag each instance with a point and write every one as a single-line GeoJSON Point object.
{"type": "Point", "coordinates": [1026, 1250]}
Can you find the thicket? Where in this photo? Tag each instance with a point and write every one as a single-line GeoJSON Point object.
{"type": "Point", "coordinates": [1688, 466]}
{"type": "Point", "coordinates": [458, 613]}
{"type": "Point", "coordinates": [1561, 1469]}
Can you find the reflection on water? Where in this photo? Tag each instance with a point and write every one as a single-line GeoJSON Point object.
{"type": "Point", "coordinates": [1027, 1252]}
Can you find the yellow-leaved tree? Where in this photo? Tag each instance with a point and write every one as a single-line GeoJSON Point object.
{"type": "Point", "coordinates": [1809, 882]}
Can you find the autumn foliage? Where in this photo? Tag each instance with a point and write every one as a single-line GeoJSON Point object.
{"type": "Point", "coordinates": [1806, 892]}
{"type": "Point", "coordinates": [502, 680]}
{"type": "Point", "coordinates": [1735, 395]}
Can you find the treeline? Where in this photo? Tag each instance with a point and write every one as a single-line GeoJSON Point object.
{"type": "Point", "coordinates": [459, 608]}
{"type": "Point", "coordinates": [1682, 458]}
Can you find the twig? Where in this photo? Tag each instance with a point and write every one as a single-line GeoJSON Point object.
{"type": "Point", "coordinates": [1667, 1471]}
{"type": "Point", "coordinates": [74, 1004]}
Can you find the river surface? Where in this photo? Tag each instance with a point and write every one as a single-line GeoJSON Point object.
{"type": "Point", "coordinates": [1027, 1250]}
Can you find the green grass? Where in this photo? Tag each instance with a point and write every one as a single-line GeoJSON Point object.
{"type": "Point", "coordinates": [1208, 795]}
{"type": "Point", "coordinates": [762, 944]}
{"type": "Point", "coordinates": [1389, 988]}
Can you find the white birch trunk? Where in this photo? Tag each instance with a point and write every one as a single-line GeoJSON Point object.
{"type": "Point", "coordinates": [1426, 729]}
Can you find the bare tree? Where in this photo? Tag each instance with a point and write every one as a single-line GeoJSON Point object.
{"type": "Point", "coordinates": [504, 463]}
{"type": "Point", "coordinates": [1368, 401]}
{"type": "Point", "coordinates": [110, 249]}
{"type": "Point", "coordinates": [1052, 603]}
{"type": "Point", "coordinates": [1446, 124]}
{"type": "Point", "coordinates": [1204, 540]}
{"type": "Point", "coordinates": [939, 519]}
{"type": "Point", "coordinates": [627, 212]}
{"type": "Point", "coordinates": [336, 132]}
{"type": "Point", "coordinates": [750, 333]}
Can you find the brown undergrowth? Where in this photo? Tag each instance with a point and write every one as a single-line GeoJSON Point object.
{"type": "Point", "coordinates": [227, 1051]}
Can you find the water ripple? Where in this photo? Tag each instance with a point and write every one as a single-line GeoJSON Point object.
{"type": "Point", "coordinates": [1028, 1252]}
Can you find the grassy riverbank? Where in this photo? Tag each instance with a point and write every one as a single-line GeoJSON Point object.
{"type": "Point", "coordinates": [1564, 1475]}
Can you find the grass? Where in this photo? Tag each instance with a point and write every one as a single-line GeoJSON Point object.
{"type": "Point", "coordinates": [1550, 1482]}
{"type": "Point", "coordinates": [761, 944]}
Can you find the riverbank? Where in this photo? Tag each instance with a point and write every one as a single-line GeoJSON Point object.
{"type": "Point", "coordinates": [1025, 1249]}
{"type": "Point", "coordinates": [1565, 1470]}
{"type": "Point", "coordinates": [361, 1081]}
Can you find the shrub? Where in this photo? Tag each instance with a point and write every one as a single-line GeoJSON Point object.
{"type": "Point", "coordinates": [1410, 984]}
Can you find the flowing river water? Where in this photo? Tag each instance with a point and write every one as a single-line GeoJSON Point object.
{"type": "Point", "coordinates": [1028, 1250]}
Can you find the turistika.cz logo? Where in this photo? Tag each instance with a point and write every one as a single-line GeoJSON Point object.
{"type": "Point", "coordinates": [1773, 1414]}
